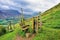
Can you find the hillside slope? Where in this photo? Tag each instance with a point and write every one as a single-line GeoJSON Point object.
{"type": "Point", "coordinates": [51, 18]}
{"type": "Point", "coordinates": [51, 25]}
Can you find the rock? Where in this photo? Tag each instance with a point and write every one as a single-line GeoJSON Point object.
{"type": "Point", "coordinates": [27, 35]}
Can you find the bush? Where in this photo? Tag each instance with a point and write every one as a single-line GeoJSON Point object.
{"type": "Point", "coordinates": [2, 30]}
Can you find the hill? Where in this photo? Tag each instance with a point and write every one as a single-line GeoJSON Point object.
{"type": "Point", "coordinates": [50, 25]}
{"type": "Point", "coordinates": [8, 13]}
{"type": "Point", "coordinates": [14, 15]}
{"type": "Point", "coordinates": [51, 18]}
{"type": "Point", "coordinates": [50, 29]}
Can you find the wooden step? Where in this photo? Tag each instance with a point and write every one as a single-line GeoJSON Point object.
{"type": "Point", "coordinates": [24, 28]}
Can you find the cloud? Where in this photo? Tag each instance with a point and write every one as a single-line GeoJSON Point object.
{"type": "Point", "coordinates": [7, 2]}
{"type": "Point", "coordinates": [5, 7]}
{"type": "Point", "coordinates": [41, 5]}
{"type": "Point", "coordinates": [10, 4]}
{"type": "Point", "coordinates": [29, 6]}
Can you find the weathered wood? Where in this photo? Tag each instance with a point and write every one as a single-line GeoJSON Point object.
{"type": "Point", "coordinates": [10, 27]}
{"type": "Point", "coordinates": [28, 35]}
{"type": "Point", "coordinates": [24, 28]}
{"type": "Point", "coordinates": [35, 24]}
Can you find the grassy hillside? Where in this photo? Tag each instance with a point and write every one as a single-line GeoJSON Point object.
{"type": "Point", "coordinates": [11, 35]}
{"type": "Point", "coordinates": [51, 18]}
{"type": "Point", "coordinates": [47, 14]}
{"type": "Point", "coordinates": [50, 29]}
{"type": "Point", "coordinates": [51, 25]}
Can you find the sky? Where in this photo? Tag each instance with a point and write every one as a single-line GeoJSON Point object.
{"type": "Point", "coordinates": [29, 6]}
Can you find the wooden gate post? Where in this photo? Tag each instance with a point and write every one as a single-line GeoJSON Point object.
{"type": "Point", "coordinates": [22, 18]}
{"type": "Point", "coordinates": [33, 25]}
{"type": "Point", "coordinates": [10, 26]}
{"type": "Point", "coordinates": [36, 24]}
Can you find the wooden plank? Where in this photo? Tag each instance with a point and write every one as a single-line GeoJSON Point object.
{"type": "Point", "coordinates": [24, 28]}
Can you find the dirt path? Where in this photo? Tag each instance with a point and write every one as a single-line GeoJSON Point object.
{"type": "Point", "coordinates": [21, 38]}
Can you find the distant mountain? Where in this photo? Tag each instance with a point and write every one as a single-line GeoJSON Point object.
{"type": "Point", "coordinates": [13, 15]}
{"type": "Point", "coordinates": [27, 16]}
{"type": "Point", "coordinates": [8, 13]}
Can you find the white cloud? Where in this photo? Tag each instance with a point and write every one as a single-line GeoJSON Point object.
{"type": "Point", "coordinates": [28, 13]}
{"type": "Point", "coordinates": [5, 7]}
{"type": "Point", "coordinates": [41, 5]}
{"type": "Point", "coordinates": [10, 3]}
{"type": "Point", "coordinates": [35, 5]}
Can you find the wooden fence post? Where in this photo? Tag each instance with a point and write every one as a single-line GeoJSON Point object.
{"type": "Point", "coordinates": [35, 24]}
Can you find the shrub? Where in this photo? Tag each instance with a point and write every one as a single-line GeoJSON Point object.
{"type": "Point", "coordinates": [2, 30]}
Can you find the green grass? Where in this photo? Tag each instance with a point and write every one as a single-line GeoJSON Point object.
{"type": "Point", "coordinates": [51, 21]}
{"type": "Point", "coordinates": [9, 36]}
{"type": "Point", "coordinates": [51, 25]}
{"type": "Point", "coordinates": [48, 34]}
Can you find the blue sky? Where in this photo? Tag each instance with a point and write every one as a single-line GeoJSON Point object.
{"type": "Point", "coordinates": [29, 6]}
